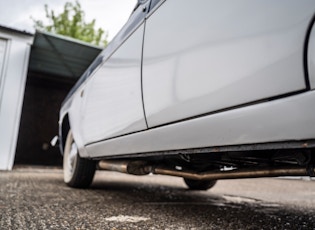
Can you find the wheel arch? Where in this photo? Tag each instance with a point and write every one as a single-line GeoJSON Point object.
{"type": "Point", "coordinates": [64, 128]}
{"type": "Point", "coordinates": [309, 56]}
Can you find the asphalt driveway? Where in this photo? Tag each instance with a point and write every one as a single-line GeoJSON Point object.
{"type": "Point", "coordinates": [36, 198]}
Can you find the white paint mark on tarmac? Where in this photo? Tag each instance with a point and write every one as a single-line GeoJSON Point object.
{"type": "Point", "coordinates": [237, 199]}
{"type": "Point", "coordinates": [129, 219]}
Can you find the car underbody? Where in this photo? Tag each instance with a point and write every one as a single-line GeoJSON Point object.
{"type": "Point", "coordinates": [248, 161]}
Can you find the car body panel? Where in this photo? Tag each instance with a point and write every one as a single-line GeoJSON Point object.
{"type": "Point", "coordinates": [211, 73]}
{"type": "Point", "coordinates": [112, 101]}
{"type": "Point", "coordinates": [222, 55]}
{"type": "Point", "coordinates": [287, 119]}
{"type": "Point", "coordinates": [136, 18]}
{"type": "Point", "coordinates": [74, 104]}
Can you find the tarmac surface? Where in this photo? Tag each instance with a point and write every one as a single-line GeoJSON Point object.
{"type": "Point", "coordinates": [36, 198]}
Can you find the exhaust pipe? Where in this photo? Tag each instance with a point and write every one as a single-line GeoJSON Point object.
{"type": "Point", "coordinates": [142, 168]}
{"type": "Point", "coordinates": [234, 174]}
{"type": "Point", "coordinates": [129, 167]}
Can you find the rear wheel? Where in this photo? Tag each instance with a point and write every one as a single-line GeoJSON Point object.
{"type": "Point", "coordinates": [199, 184]}
{"type": "Point", "coordinates": [78, 172]}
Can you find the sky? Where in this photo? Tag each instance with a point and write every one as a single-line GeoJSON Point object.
{"type": "Point", "coordinates": [110, 15]}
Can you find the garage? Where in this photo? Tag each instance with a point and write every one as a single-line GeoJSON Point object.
{"type": "Point", "coordinates": [36, 72]}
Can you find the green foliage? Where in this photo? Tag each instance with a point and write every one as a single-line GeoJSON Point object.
{"type": "Point", "coordinates": [71, 23]}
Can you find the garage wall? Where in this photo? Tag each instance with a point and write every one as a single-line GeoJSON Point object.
{"type": "Point", "coordinates": [3, 45]}
{"type": "Point", "coordinates": [14, 56]}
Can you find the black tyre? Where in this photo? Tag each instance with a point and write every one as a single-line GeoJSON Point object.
{"type": "Point", "coordinates": [78, 172]}
{"type": "Point", "coordinates": [199, 184]}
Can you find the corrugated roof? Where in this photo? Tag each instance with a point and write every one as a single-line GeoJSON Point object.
{"type": "Point", "coordinates": [61, 56]}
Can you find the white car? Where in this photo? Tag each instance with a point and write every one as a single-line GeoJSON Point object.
{"type": "Point", "coordinates": [203, 90]}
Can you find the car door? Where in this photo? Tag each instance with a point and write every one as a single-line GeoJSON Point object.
{"type": "Point", "coordinates": [112, 99]}
{"type": "Point", "coordinates": [205, 56]}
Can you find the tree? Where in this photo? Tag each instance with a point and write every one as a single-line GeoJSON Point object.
{"type": "Point", "coordinates": [71, 23]}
